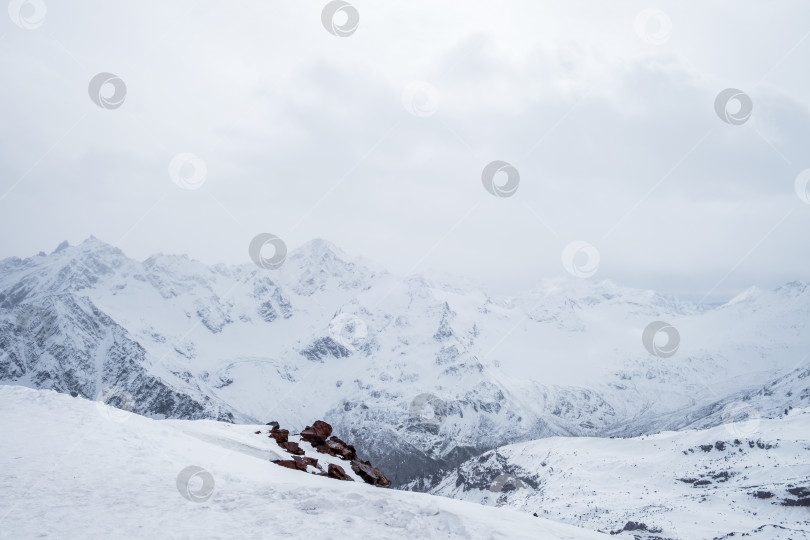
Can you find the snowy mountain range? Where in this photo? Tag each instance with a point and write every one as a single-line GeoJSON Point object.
{"type": "Point", "coordinates": [743, 479]}
{"type": "Point", "coordinates": [420, 372]}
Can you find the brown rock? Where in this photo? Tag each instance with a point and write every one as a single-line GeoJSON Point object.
{"type": "Point", "coordinates": [336, 471]}
{"type": "Point", "coordinates": [323, 449]}
{"type": "Point", "coordinates": [307, 461]}
{"type": "Point", "coordinates": [341, 449]}
{"type": "Point", "coordinates": [280, 435]}
{"type": "Point", "coordinates": [369, 474]}
{"type": "Point", "coordinates": [290, 464]}
{"type": "Point", "coordinates": [337, 440]}
{"type": "Point", "coordinates": [257, 432]}
{"type": "Point", "coordinates": [311, 461]}
{"type": "Point", "coordinates": [317, 433]}
{"type": "Point", "coordinates": [292, 447]}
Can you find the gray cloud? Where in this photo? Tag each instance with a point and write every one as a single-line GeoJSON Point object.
{"type": "Point", "coordinates": [304, 134]}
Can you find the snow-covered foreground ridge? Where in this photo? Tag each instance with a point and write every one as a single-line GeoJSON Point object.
{"type": "Point", "coordinates": [419, 373]}
{"type": "Point", "coordinates": [72, 468]}
{"type": "Point", "coordinates": [748, 479]}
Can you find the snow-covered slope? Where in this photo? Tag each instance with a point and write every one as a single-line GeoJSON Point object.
{"type": "Point", "coordinates": [420, 373]}
{"type": "Point", "coordinates": [749, 479]}
{"type": "Point", "coordinates": [72, 468]}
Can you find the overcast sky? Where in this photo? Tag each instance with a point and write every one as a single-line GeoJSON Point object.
{"type": "Point", "coordinates": [377, 140]}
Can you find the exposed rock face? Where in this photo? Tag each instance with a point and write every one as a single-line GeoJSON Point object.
{"type": "Point", "coordinates": [370, 474]}
{"type": "Point", "coordinates": [308, 460]}
{"type": "Point", "coordinates": [323, 348]}
{"type": "Point", "coordinates": [317, 433]}
{"type": "Point", "coordinates": [64, 342]}
{"type": "Point", "coordinates": [341, 449]}
{"type": "Point", "coordinates": [280, 435]}
{"type": "Point", "coordinates": [802, 495]}
{"type": "Point", "coordinates": [290, 464]}
{"type": "Point", "coordinates": [322, 448]}
{"type": "Point", "coordinates": [292, 447]}
{"type": "Point", "coordinates": [318, 436]}
{"type": "Point", "coordinates": [299, 463]}
{"type": "Point", "coordinates": [637, 526]}
{"type": "Point", "coordinates": [337, 472]}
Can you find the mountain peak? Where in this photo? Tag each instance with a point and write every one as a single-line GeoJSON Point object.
{"type": "Point", "coordinates": [61, 247]}
{"type": "Point", "coordinates": [91, 244]}
{"type": "Point", "coordinates": [318, 262]}
{"type": "Point", "coordinates": [319, 246]}
{"type": "Point", "coordinates": [320, 252]}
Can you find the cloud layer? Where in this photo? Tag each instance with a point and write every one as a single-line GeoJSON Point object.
{"type": "Point", "coordinates": [378, 140]}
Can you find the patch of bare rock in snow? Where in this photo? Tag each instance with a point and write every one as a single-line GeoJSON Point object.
{"type": "Point", "coordinates": [319, 437]}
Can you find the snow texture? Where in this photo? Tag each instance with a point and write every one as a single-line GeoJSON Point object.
{"type": "Point", "coordinates": [73, 468]}
{"type": "Point", "coordinates": [743, 479]}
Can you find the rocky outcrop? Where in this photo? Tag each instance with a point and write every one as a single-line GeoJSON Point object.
{"type": "Point", "coordinates": [292, 448]}
{"type": "Point", "coordinates": [299, 463]}
{"type": "Point", "coordinates": [336, 447]}
{"type": "Point", "coordinates": [337, 472]}
{"type": "Point", "coordinates": [280, 435]}
{"type": "Point", "coordinates": [309, 461]}
{"type": "Point", "coordinates": [291, 464]}
{"type": "Point", "coordinates": [320, 438]}
{"type": "Point", "coordinates": [371, 475]}
{"type": "Point", "coordinates": [324, 347]}
{"type": "Point", "coordinates": [317, 433]}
